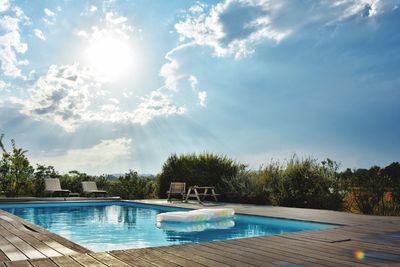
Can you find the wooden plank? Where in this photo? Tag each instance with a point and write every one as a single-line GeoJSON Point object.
{"type": "Point", "coordinates": [343, 250]}
{"type": "Point", "coordinates": [24, 247]}
{"type": "Point", "coordinates": [60, 248]}
{"type": "Point", "coordinates": [272, 256]}
{"type": "Point", "coordinates": [174, 258]}
{"type": "Point", "coordinates": [131, 259]}
{"type": "Point", "coordinates": [10, 250]}
{"type": "Point", "coordinates": [25, 235]}
{"type": "Point", "coordinates": [108, 259]}
{"type": "Point", "coordinates": [3, 257]}
{"type": "Point", "coordinates": [41, 233]}
{"type": "Point", "coordinates": [86, 260]}
{"type": "Point", "coordinates": [307, 252]}
{"type": "Point", "coordinates": [234, 259]}
{"type": "Point", "coordinates": [189, 255]}
{"type": "Point", "coordinates": [65, 261]}
{"type": "Point", "coordinates": [23, 263]}
{"type": "Point", "coordinates": [249, 254]}
{"type": "Point", "coordinates": [42, 263]}
{"type": "Point", "coordinates": [149, 256]}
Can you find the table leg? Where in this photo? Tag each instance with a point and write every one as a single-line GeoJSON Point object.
{"type": "Point", "coordinates": [213, 193]}
{"type": "Point", "coordinates": [188, 194]}
{"type": "Point", "coordinates": [197, 196]}
{"type": "Point", "coordinates": [205, 194]}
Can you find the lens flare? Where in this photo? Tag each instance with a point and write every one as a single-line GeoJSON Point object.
{"type": "Point", "coordinates": [359, 254]}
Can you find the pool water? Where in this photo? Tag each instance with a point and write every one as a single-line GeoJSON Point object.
{"type": "Point", "coordinates": [122, 225]}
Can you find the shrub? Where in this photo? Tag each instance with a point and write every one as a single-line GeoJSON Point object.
{"type": "Point", "coordinates": [202, 170]}
{"type": "Point", "coordinates": [306, 184]}
{"type": "Point", "coordinates": [251, 186]}
{"type": "Point", "coordinates": [368, 188]}
{"type": "Point", "coordinates": [42, 172]}
{"type": "Point", "coordinates": [73, 180]}
{"type": "Point", "coordinates": [15, 170]}
{"type": "Point", "coordinates": [132, 186]}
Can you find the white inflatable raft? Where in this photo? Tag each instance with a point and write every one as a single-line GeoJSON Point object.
{"type": "Point", "coordinates": [195, 215]}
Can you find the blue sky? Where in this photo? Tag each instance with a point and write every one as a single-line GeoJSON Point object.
{"type": "Point", "coordinates": [108, 86]}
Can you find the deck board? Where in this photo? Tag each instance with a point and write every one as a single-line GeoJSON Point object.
{"type": "Point", "coordinates": [43, 263]}
{"type": "Point", "coordinates": [23, 263]}
{"type": "Point", "coordinates": [151, 257]}
{"type": "Point", "coordinates": [65, 261]}
{"type": "Point", "coordinates": [25, 244]}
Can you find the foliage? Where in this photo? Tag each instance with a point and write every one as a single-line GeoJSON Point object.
{"type": "Point", "coordinates": [392, 171]}
{"type": "Point", "coordinates": [73, 180]}
{"type": "Point", "coordinates": [306, 184]}
{"type": "Point", "coordinates": [203, 170]}
{"type": "Point", "coordinates": [132, 186]}
{"type": "Point", "coordinates": [15, 169]}
{"type": "Point", "coordinates": [251, 186]}
{"type": "Point", "coordinates": [368, 189]}
{"type": "Point", "coordinates": [42, 172]}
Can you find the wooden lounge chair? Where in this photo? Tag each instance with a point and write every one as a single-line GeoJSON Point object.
{"type": "Point", "coordinates": [176, 190]}
{"type": "Point", "coordinates": [53, 188]}
{"type": "Point", "coordinates": [90, 189]}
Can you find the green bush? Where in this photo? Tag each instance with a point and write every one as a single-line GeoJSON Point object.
{"type": "Point", "coordinates": [42, 172]}
{"type": "Point", "coordinates": [306, 184]}
{"type": "Point", "coordinates": [251, 186]}
{"type": "Point", "coordinates": [202, 170]}
{"type": "Point", "coordinates": [132, 186]}
{"type": "Point", "coordinates": [368, 189]}
{"type": "Point", "coordinates": [392, 172]}
{"type": "Point", "coordinates": [15, 170]}
{"type": "Point", "coordinates": [73, 180]}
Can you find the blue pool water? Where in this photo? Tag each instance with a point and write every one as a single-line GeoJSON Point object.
{"type": "Point", "coordinates": [121, 225]}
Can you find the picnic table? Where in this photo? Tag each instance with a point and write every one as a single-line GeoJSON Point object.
{"type": "Point", "coordinates": [201, 192]}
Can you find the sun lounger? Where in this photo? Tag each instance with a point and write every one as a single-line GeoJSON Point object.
{"type": "Point", "coordinates": [90, 189]}
{"type": "Point", "coordinates": [176, 190]}
{"type": "Point", "coordinates": [53, 188]}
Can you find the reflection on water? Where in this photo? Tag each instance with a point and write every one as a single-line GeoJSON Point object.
{"type": "Point", "coordinates": [111, 227]}
{"type": "Point", "coordinates": [195, 226]}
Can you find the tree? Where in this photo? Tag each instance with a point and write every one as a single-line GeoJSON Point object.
{"type": "Point", "coordinates": [204, 170]}
{"type": "Point", "coordinates": [15, 169]}
{"type": "Point", "coordinates": [43, 172]}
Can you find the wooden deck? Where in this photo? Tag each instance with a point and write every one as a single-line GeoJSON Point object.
{"type": "Point", "coordinates": [25, 244]}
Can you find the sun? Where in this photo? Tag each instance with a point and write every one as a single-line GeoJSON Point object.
{"type": "Point", "coordinates": [110, 58]}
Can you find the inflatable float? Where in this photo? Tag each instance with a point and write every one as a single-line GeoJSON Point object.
{"type": "Point", "coordinates": [200, 215]}
{"type": "Point", "coordinates": [195, 226]}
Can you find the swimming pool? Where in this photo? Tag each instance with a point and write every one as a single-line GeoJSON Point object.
{"type": "Point", "coordinates": [105, 226]}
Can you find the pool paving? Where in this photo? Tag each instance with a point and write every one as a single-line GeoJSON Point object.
{"type": "Point", "coordinates": [361, 240]}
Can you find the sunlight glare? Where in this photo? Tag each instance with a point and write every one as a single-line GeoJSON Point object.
{"type": "Point", "coordinates": [110, 58]}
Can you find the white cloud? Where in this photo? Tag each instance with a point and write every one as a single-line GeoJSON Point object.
{"type": "Point", "coordinates": [11, 46]}
{"type": "Point", "coordinates": [114, 19]}
{"type": "Point", "coordinates": [3, 85]}
{"type": "Point", "coordinates": [93, 8]}
{"type": "Point", "coordinates": [193, 82]}
{"type": "Point", "coordinates": [98, 159]}
{"type": "Point", "coordinates": [202, 96]}
{"type": "Point", "coordinates": [49, 13]}
{"type": "Point", "coordinates": [236, 27]}
{"type": "Point", "coordinates": [197, 8]}
{"type": "Point", "coordinates": [4, 5]}
{"type": "Point", "coordinates": [155, 105]}
{"type": "Point", "coordinates": [50, 16]}
{"type": "Point", "coordinates": [82, 33]}
{"type": "Point", "coordinates": [232, 27]}
{"type": "Point", "coordinates": [61, 96]}
{"type": "Point", "coordinates": [66, 95]}
{"type": "Point", "coordinates": [39, 34]}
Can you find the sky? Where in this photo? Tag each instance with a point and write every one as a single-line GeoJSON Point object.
{"type": "Point", "coordinates": [107, 86]}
